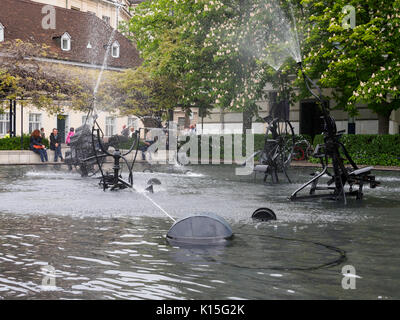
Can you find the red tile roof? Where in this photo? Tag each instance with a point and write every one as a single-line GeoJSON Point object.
{"type": "Point", "coordinates": [22, 19]}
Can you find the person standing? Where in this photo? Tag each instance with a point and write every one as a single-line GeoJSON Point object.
{"type": "Point", "coordinates": [71, 133]}
{"type": "Point", "coordinates": [125, 131]}
{"type": "Point", "coordinates": [42, 134]}
{"type": "Point", "coordinates": [132, 132]}
{"type": "Point", "coordinates": [55, 145]}
{"type": "Point", "coordinates": [37, 146]}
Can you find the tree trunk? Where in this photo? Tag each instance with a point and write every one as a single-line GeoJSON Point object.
{"type": "Point", "coordinates": [383, 122]}
{"type": "Point", "coordinates": [222, 120]}
{"type": "Point", "coordinates": [248, 114]}
{"type": "Point", "coordinates": [247, 120]}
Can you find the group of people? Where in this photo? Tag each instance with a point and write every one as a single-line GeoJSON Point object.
{"type": "Point", "coordinates": [129, 132]}
{"type": "Point", "coordinates": [37, 146]}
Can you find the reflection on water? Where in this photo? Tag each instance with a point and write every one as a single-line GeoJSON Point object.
{"type": "Point", "coordinates": [111, 245]}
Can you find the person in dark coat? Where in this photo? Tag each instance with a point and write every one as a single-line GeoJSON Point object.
{"type": "Point", "coordinates": [37, 146]}
{"type": "Point", "coordinates": [55, 145]}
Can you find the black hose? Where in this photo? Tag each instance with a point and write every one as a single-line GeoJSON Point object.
{"type": "Point", "coordinates": [341, 259]}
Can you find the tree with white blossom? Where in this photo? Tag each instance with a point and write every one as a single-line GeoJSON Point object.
{"type": "Point", "coordinates": [215, 49]}
{"type": "Point", "coordinates": [361, 64]}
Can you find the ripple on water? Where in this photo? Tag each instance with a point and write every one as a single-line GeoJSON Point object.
{"type": "Point", "coordinates": [106, 245]}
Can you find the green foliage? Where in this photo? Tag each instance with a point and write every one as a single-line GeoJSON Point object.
{"type": "Point", "coordinates": [370, 149]}
{"type": "Point", "coordinates": [361, 64]}
{"type": "Point", "coordinates": [128, 144]}
{"type": "Point", "coordinates": [207, 53]}
{"type": "Point", "coordinates": [41, 83]}
{"type": "Point", "coordinates": [259, 141]}
{"type": "Point", "coordinates": [14, 143]}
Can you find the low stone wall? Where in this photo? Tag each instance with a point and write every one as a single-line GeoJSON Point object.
{"type": "Point", "coordinates": [28, 157]}
{"type": "Point", "coordinates": [21, 157]}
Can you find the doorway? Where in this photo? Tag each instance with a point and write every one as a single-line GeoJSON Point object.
{"type": "Point", "coordinates": [61, 126]}
{"type": "Point", "coordinates": [311, 121]}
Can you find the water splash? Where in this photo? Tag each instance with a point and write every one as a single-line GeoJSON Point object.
{"type": "Point", "coordinates": [280, 41]}
{"type": "Point", "coordinates": [104, 65]}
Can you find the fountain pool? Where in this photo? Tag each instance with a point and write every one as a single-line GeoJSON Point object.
{"type": "Point", "coordinates": [111, 245]}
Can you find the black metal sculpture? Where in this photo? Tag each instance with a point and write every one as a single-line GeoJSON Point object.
{"type": "Point", "coordinates": [81, 148]}
{"type": "Point", "coordinates": [112, 179]}
{"type": "Point", "coordinates": [279, 143]}
{"type": "Point", "coordinates": [333, 150]}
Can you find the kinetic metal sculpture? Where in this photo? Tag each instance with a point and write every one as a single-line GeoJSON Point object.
{"type": "Point", "coordinates": [333, 150]}
{"type": "Point", "coordinates": [279, 143]}
{"type": "Point", "coordinates": [112, 180]}
{"type": "Point", "coordinates": [81, 148]}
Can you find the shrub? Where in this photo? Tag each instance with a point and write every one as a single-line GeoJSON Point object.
{"type": "Point", "coordinates": [259, 141]}
{"type": "Point", "coordinates": [14, 143]}
{"type": "Point", "coordinates": [370, 149]}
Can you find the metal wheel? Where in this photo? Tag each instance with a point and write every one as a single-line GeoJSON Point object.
{"type": "Point", "coordinates": [279, 144]}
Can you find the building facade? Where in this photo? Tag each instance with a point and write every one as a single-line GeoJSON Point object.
{"type": "Point", "coordinates": [103, 9]}
{"type": "Point", "coordinates": [79, 39]}
{"type": "Point", "coordinates": [305, 117]}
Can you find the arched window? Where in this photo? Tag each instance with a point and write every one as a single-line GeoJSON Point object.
{"type": "Point", "coordinates": [1, 33]}
{"type": "Point", "coordinates": [66, 42]}
{"type": "Point", "coordinates": [115, 50]}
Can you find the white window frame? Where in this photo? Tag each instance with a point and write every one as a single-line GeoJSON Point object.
{"type": "Point", "coordinates": [133, 122]}
{"type": "Point", "coordinates": [110, 126]}
{"type": "Point", "coordinates": [116, 46]}
{"type": "Point", "coordinates": [67, 37]}
{"type": "Point", "coordinates": [1, 33]}
{"type": "Point", "coordinates": [4, 123]}
{"type": "Point", "coordinates": [35, 121]}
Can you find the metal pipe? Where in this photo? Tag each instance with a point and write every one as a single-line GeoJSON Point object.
{"type": "Point", "coordinates": [10, 119]}
{"type": "Point", "coordinates": [15, 118]}
{"type": "Point", "coordinates": [22, 126]}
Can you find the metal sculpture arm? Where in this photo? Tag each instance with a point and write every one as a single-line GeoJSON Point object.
{"type": "Point", "coordinates": [329, 122]}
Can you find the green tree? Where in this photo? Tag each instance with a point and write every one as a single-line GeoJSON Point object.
{"type": "Point", "coordinates": [212, 52]}
{"type": "Point", "coordinates": [23, 77]}
{"type": "Point", "coordinates": [362, 65]}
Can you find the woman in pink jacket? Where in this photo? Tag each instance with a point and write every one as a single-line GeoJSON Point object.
{"type": "Point", "coordinates": [70, 134]}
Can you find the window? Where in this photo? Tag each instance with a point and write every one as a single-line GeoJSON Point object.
{"type": "Point", "coordinates": [133, 122]}
{"type": "Point", "coordinates": [110, 126]}
{"type": "Point", "coordinates": [66, 42]}
{"type": "Point", "coordinates": [181, 122]}
{"type": "Point", "coordinates": [4, 123]}
{"type": "Point", "coordinates": [107, 19]}
{"type": "Point", "coordinates": [115, 50]}
{"type": "Point", "coordinates": [34, 121]}
{"type": "Point", "coordinates": [1, 33]}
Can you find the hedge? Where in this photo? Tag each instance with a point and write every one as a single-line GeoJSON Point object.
{"type": "Point", "coordinates": [259, 141]}
{"type": "Point", "coordinates": [365, 149]}
{"type": "Point", "coordinates": [14, 143]}
{"type": "Point", "coordinates": [370, 149]}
